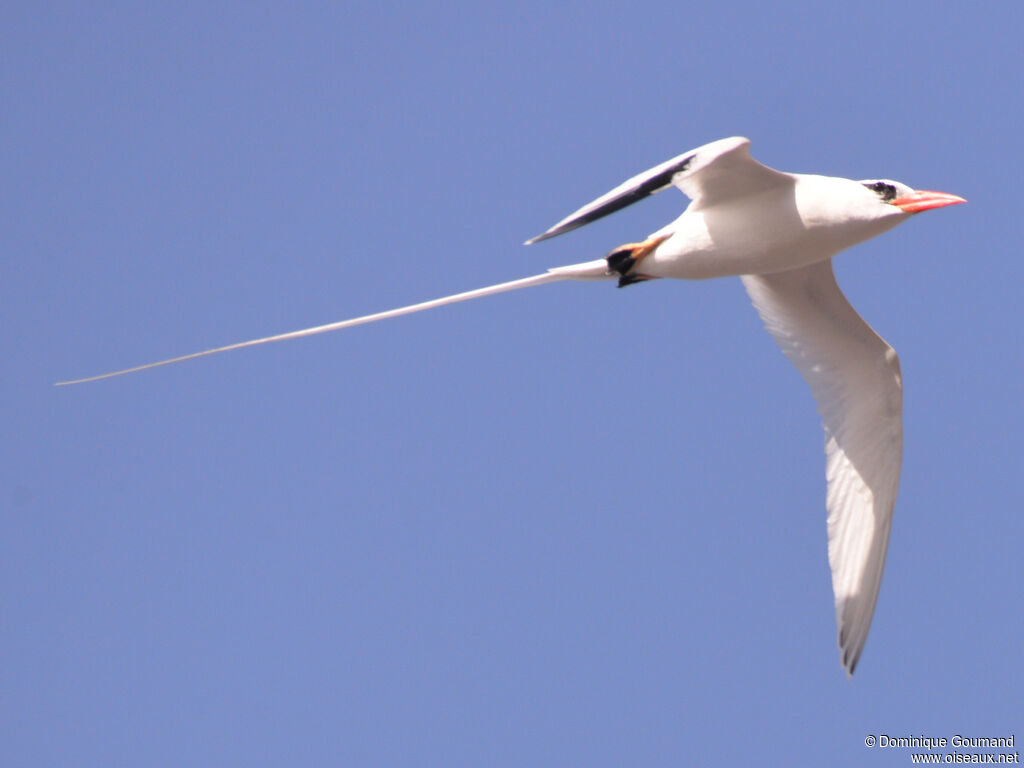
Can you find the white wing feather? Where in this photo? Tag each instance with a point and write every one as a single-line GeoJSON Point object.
{"type": "Point", "coordinates": [708, 175]}
{"type": "Point", "coordinates": [855, 378]}
{"type": "Point", "coordinates": [724, 170]}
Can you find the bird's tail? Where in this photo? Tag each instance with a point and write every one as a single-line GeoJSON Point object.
{"type": "Point", "coordinates": [591, 270]}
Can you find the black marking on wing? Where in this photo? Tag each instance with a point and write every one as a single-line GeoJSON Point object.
{"type": "Point", "coordinates": [639, 192]}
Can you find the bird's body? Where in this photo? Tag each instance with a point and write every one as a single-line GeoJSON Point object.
{"type": "Point", "coordinates": [746, 218]}
{"type": "Point", "coordinates": [778, 231]}
{"type": "Point", "coordinates": [785, 228]}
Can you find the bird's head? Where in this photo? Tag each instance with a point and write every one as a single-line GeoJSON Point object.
{"type": "Point", "coordinates": [908, 200]}
{"type": "Point", "coordinates": [844, 212]}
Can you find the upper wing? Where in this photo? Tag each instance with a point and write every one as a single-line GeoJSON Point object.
{"type": "Point", "coordinates": [708, 174]}
{"type": "Point", "coordinates": [855, 377]}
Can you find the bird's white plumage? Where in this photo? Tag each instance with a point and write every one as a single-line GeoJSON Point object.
{"type": "Point", "coordinates": [721, 170]}
{"type": "Point", "coordinates": [778, 231]}
{"type": "Point", "coordinates": [724, 170]}
{"type": "Point", "coordinates": [855, 378]}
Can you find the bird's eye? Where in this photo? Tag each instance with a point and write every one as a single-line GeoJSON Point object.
{"type": "Point", "coordinates": [885, 191]}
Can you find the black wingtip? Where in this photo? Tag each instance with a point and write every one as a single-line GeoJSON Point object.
{"type": "Point", "coordinates": [559, 229]}
{"type": "Point", "coordinates": [637, 188]}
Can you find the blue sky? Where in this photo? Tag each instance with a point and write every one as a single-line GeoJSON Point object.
{"type": "Point", "coordinates": [566, 526]}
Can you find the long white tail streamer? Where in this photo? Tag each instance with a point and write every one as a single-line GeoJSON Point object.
{"type": "Point", "coordinates": [591, 270]}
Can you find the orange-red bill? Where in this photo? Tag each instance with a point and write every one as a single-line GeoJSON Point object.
{"type": "Point", "coordinates": [923, 200]}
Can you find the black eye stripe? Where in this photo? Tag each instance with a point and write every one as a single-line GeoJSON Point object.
{"type": "Point", "coordinates": [886, 191]}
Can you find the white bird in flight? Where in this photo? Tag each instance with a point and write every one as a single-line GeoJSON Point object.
{"type": "Point", "coordinates": [778, 232]}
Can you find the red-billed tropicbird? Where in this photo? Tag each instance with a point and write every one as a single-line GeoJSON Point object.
{"type": "Point", "coordinates": [778, 232]}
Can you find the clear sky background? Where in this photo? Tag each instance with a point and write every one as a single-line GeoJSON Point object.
{"type": "Point", "coordinates": [567, 526]}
